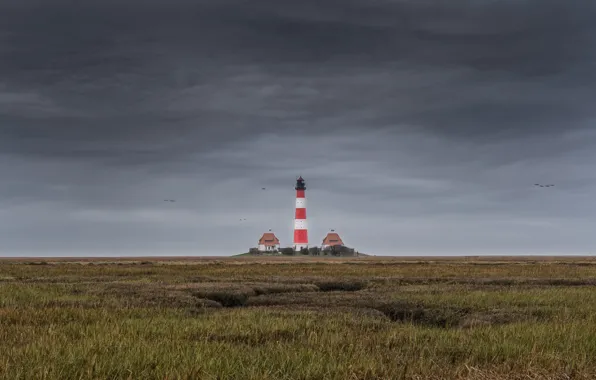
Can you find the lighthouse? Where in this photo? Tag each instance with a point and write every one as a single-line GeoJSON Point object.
{"type": "Point", "coordinates": [300, 226]}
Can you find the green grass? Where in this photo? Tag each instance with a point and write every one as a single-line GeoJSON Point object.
{"type": "Point", "coordinates": [289, 319]}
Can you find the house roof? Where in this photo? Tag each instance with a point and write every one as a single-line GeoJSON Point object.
{"type": "Point", "coordinates": [332, 238]}
{"type": "Point", "coordinates": [269, 238]}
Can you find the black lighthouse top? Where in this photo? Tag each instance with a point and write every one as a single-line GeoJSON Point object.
{"type": "Point", "coordinates": [300, 184]}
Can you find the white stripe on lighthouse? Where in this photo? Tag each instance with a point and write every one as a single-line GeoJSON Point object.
{"type": "Point", "coordinates": [300, 202]}
{"type": "Point", "coordinates": [300, 224]}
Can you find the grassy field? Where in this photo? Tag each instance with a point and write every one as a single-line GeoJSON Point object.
{"type": "Point", "coordinates": [298, 318]}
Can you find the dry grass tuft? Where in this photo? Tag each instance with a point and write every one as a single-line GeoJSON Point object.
{"type": "Point", "coordinates": [225, 298]}
{"type": "Point", "coordinates": [443, 317]}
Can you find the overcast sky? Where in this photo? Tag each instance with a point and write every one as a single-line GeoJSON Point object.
{"type": "Point", "coordinates": [420, 126]}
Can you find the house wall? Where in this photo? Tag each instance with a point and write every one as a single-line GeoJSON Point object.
{"type": "Point", "coordinates": [263, 247]}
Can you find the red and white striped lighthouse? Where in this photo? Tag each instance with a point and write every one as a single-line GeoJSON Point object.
{"type": "Point", "coordinates": [300, 226]}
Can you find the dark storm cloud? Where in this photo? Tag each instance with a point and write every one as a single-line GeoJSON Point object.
{"type": "Point", "coordinates": [399, 108]}
{"type": "Point", "coordinates": [160, 71]}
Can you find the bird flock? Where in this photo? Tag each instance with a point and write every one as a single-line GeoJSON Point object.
{"type": "Point", "coordinates": [263, 188]}
{"type": "Point", "coordinates": [173, 200]}
{"type": "Point", "coordinates": [540, 185]}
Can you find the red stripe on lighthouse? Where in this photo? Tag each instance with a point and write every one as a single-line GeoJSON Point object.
{"type": "Point", "coordinates": [300, 213]}
{"type": "Point", "coordinates": [300, 194]}
{"type": "Point", "coordinates": [301, 236]}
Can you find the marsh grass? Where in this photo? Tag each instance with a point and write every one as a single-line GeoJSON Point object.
{"type": "Point", "coordinates": [296, 320]}
{"type": "Point", "coordinates": [346, 286]}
